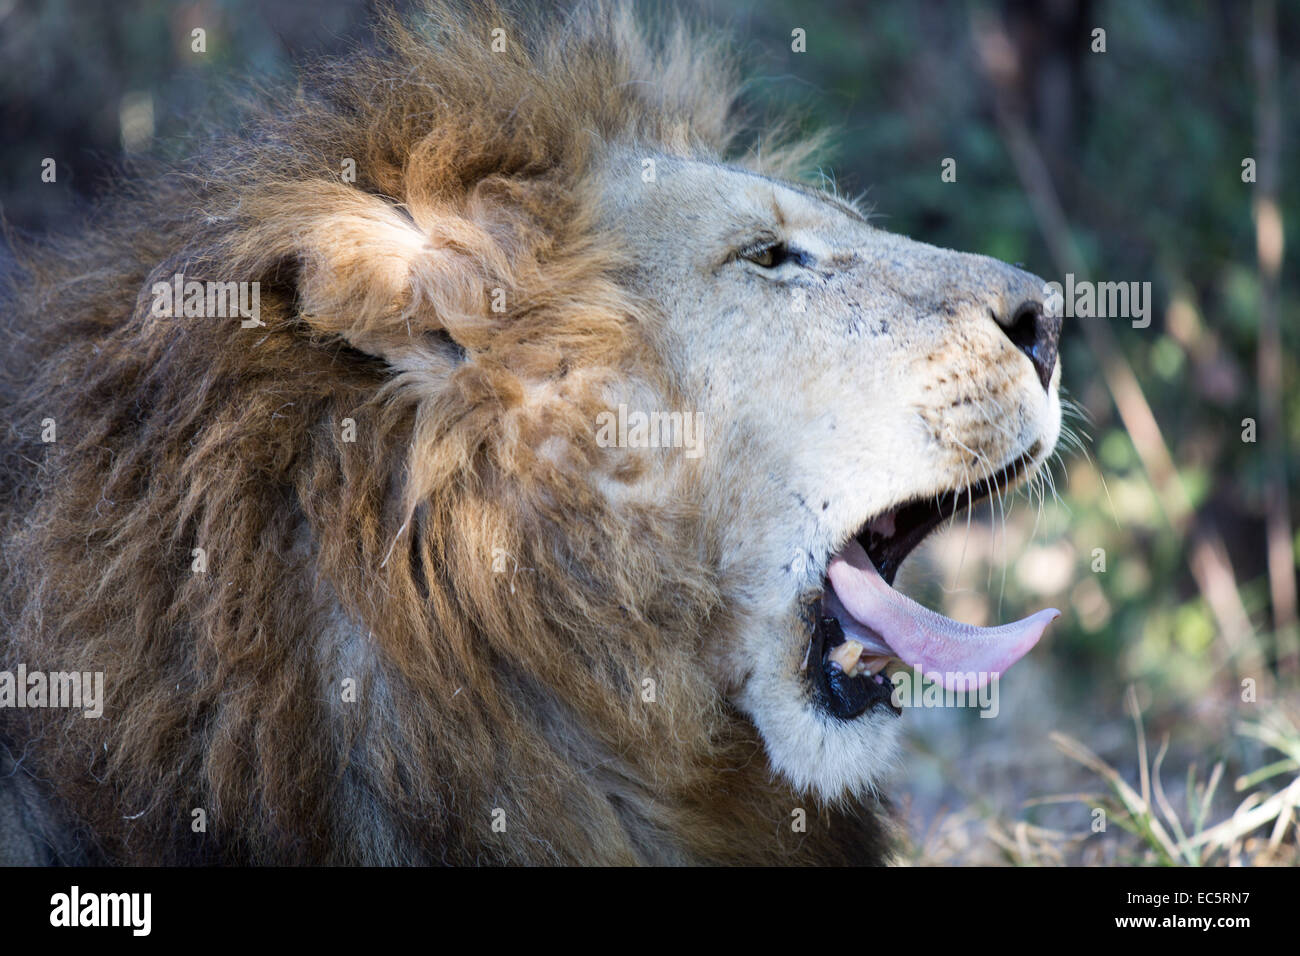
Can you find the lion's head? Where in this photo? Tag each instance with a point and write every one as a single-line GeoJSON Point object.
{"type": "Point", "coordinates": [852, 389]}
{"type": "Point", "coordinates": [641, 429]}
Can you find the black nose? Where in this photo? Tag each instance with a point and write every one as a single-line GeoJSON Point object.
{"type": "Point", "coordinates": [1035, 333]}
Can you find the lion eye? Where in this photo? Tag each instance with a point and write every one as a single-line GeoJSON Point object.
{"type": "Point", "coordinates": [769, 255]}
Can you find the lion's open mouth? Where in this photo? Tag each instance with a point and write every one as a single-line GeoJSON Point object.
{"type": "Point", "coordinates": [861, 623]}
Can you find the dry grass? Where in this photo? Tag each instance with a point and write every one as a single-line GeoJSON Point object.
{"type": "Point", "coordinates": [1135, 822]}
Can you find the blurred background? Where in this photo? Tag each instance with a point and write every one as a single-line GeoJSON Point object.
{"type": "Point", "coordinates": [1157, 723]}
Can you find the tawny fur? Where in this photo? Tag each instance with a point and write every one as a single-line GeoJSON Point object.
{"type": "Point", "coordinates": [329, 560]}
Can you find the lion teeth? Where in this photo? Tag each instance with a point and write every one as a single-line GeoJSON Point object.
{"type": "Point", "coordinates": [853, 660]}
{"type": "Point", "coordinates": [846, 655]}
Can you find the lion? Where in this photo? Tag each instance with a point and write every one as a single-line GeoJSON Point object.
{"type": "Point", "coordinates": [532, 493]}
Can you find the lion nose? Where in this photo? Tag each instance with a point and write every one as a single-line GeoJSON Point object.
{"type": "Point", "coordinates": [1035, 332]}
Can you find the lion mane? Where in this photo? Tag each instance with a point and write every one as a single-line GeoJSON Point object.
{"type": "Point", "coordinates": [350, 576]}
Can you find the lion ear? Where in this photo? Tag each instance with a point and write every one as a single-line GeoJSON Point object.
{"type": "Point", "coordinates": [373, 276]}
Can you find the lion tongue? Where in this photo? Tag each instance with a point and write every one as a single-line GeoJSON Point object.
{"type": "Point", "coordinates": [940, 648]}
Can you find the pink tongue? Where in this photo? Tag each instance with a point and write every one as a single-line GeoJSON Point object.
{"type": "Point", "coordinates": [940, 648]}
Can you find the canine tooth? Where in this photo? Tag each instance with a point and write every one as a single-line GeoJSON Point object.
{"type": "Point", "coordinates": [846, 655]}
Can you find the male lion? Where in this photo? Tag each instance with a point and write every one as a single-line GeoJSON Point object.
{"type": "Point", "coordinates": [371, 573]}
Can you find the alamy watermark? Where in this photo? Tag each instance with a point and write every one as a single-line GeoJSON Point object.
{"type": "Point", "coordinates": [970, 689]}
{"type": "Point", "coordinates": [637, 429]}
{"type": "Point", "coordinates": [74, 908]}
{"type": "Point", "coordinates": [77, 690]}
{"type": "Point", "coordinates": [1100, 300]}
{"type": "Point", "coordinates": [208, 299]}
